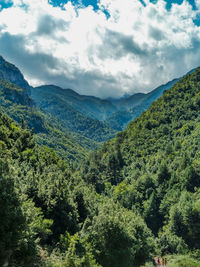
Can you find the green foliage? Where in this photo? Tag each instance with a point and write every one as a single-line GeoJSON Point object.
{"type": "Point", "coordinates": [139, 187]}
{"type": "Point", "coordinates": [119, 237]}
{"type": "Point", "coordinates": [12, 220]}
{"type": "Point", "coordinates": [37, 226]}
{"type": "Point", "coordinates": [48, 130]}
{"type": "Point", "coordinates": [40, 201]}
{"type": "Point", "coordinates": [132, 107]}
{"type": "Point", "coordinates": [169, 243]}
{"type": "Point", "coordinates": [185, 217]}
{"type": "Point", "coordinates": [78, 113]}
{"type": "Point", "coordinates": [183, 261]}
{"type": "Point", "coordinates": [79, 253]}
{"type": "Point", "coordinates": [156, 170]}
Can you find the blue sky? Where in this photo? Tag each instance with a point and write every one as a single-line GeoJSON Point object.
{"type": "Point", "coordinates": [8, 3]}
{"type": "Point", "coordinates": [76, 2]}
{"type": "Point", "coordinates": [105, 48]}
{"type": "Point", "coordinates": [94, 3]}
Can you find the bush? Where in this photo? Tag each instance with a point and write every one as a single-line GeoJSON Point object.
{"type": "Point", "coordinates": [183, 261]}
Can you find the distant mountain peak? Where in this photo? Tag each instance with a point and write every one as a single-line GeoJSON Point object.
{"type": "Point", "coordinates": [54, 88]}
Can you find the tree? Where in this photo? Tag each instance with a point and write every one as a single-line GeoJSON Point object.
{"type": "Point", "coordinates": [12, 220]}
{"type": "Point", "coordinates": [120, 237]}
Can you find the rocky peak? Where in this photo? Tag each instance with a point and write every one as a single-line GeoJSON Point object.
{"type": "Point", "coordinates": [14, 93]}
{"type": "Point", "coordinates": [11, 73]}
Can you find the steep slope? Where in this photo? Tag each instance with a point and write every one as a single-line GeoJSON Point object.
{"type": "Point", "coordinates": [89, 106]}
{"type": "Point", "coordinates": [11, 73]}
{"type": "Point", "coordinates": [64, 104]}
{"type": "Point", "coordinates": [133, 106]}
{"type": "Point", "coordinates": [127, 101]}
{"type": "Point", "coordinates": [100, 215]}
{"type": "Point", "coordinates": [86, 111]}
{"type": "Point", "coordinates": [49, 131]}
{"type": "Point", "coordinates": [87, 116]}
{"type": "Point", "coordinates": [52, 218]}
{"type": "Point", "coordinates": [67, 139]}
{"type": "Point", "coordinates": [11, 92]}
{"type": "Point", "coordinates": [132, 101]}
{"type": "Point", "coordinates": [153, 167]}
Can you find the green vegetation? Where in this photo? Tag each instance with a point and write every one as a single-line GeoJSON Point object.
{"type": "Point", "coordinates": [132, 107]}
{"type": "Point", "coordinates": [135, 198]}
{"type": "Point", "coordinates": [48, 129]}
{"type": "Point", "coordinates": [72, 139]}
{"type": "Point", "coordinates": [153, 167]}
{"type": "Point", "coordinates": [78, 113]}
{"type": "Point", "coordinates": [89, 106]}
{"type": "Point", "coordinates": [53, 218]}
{"type": "Point", "coordinates": [183, 261]}
{"type": "Point", "coordinates": [11, 73]}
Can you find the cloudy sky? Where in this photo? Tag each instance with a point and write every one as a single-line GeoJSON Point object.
{"type": "Point", "coordinates": [105, 48]}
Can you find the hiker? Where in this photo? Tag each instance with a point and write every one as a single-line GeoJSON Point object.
{"type": "Point", "coordinates": [158, 261]}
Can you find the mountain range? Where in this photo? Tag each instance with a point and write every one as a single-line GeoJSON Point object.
{"type": "Point", "coordinates": [134, 198]}
{"type": "Point", "coordinates": [83, 122]}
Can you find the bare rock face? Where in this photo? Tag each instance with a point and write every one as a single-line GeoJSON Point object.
{"type": "Point", "coordinates": [11, 73]}
{"type": "Point", "coordinates": [18, 96]}
{"type": "Point", "coordinates": [13, 85]}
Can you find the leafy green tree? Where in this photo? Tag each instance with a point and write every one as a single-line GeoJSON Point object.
{"type": "Point", "coordinates": [12, 221]}
{"type": "Point", "coordinates": [79, 253]}
{"type": "Point", "coordinates": [184, 219]}
{"type": "Point", "coordinates": [119, 237]}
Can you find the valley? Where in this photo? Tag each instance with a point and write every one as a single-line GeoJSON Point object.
{"type": "Point", "coordinates": [99, 183]}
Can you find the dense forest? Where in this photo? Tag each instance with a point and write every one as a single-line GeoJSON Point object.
{"type": "Point", "coordinates": [65, 105]}
{"type": "Point", "coordinates": [48, 130]}
{"type": "Point", "coordinates": [136, 197]}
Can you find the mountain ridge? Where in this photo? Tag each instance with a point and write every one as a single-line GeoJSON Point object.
{"type": "Point", "coordinates": [137, 196]}
{"type": "Point", "coordinates": [11, 73]}
{"type": "Point", "coordinates": [153, 166]}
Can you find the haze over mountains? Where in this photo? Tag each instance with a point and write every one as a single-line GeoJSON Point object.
{"type": "Point", "coordinates": [99, 133]}
{"type": "Point", "coordinates": [52, 98]}
{"type": "Point", "coordinates": [84, 121]}
{"type": "Point", "coordinates": [135, 197]}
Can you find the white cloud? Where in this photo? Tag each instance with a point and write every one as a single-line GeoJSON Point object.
{"type": "Point", "coordinates": [136, 49]}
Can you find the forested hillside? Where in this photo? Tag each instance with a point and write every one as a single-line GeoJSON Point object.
{"type": "Point", "coordinates": [50, 217]}
{"type": "Point", "coordinates": [95, 118]}
{"type": "Point", "coordinates": [137, 197]}
{"type": "Point", "coordinates": [86, 121]}
{"type": "Point", "coordinates": [48, 130]}
{"type": "Point", "coordinates": [78, 113]}
{"type": "Point", "coordinates": [90, 106]}
{"type": "Point", "coordinates": [11, 73]}
{"type": "Point", "coordinates": [133, 106]}
{"type": "Point", "coordinates": [153, 168]}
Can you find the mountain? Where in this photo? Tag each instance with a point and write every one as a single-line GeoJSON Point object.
{"type": "Point", "coordinates": [136, 197]}
{"type": "Point", "coordinates": [133, 106]}
{"type": "Point", "coordinates": [95, 118]}
{"type": "Point", "coordinates": [67, 105]}
{"type": "Point", "coordinates": [90, 117]}
{"type": "Point", "coordinates": [11, 73]}
{"type": "Point", "coordinates": [85, 120]}
{"type": "Point", "coordinates": [68, 139]}
{"type": "Point", "coordinates": [131, 101]}
{"type": "Point", "coordinates": [153, 167]}
{"type": "Point", "coordinates": [89, 106]}
{"type": "Point", "coordinates": [51, 217]}
{"type": "Point", "coordinates": [16, 94]}
{"type": "Point", "coordinates": [48, 130]}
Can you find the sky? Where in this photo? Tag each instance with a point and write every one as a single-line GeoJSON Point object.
{"type": "Point", "coordinates": [105, 48]}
